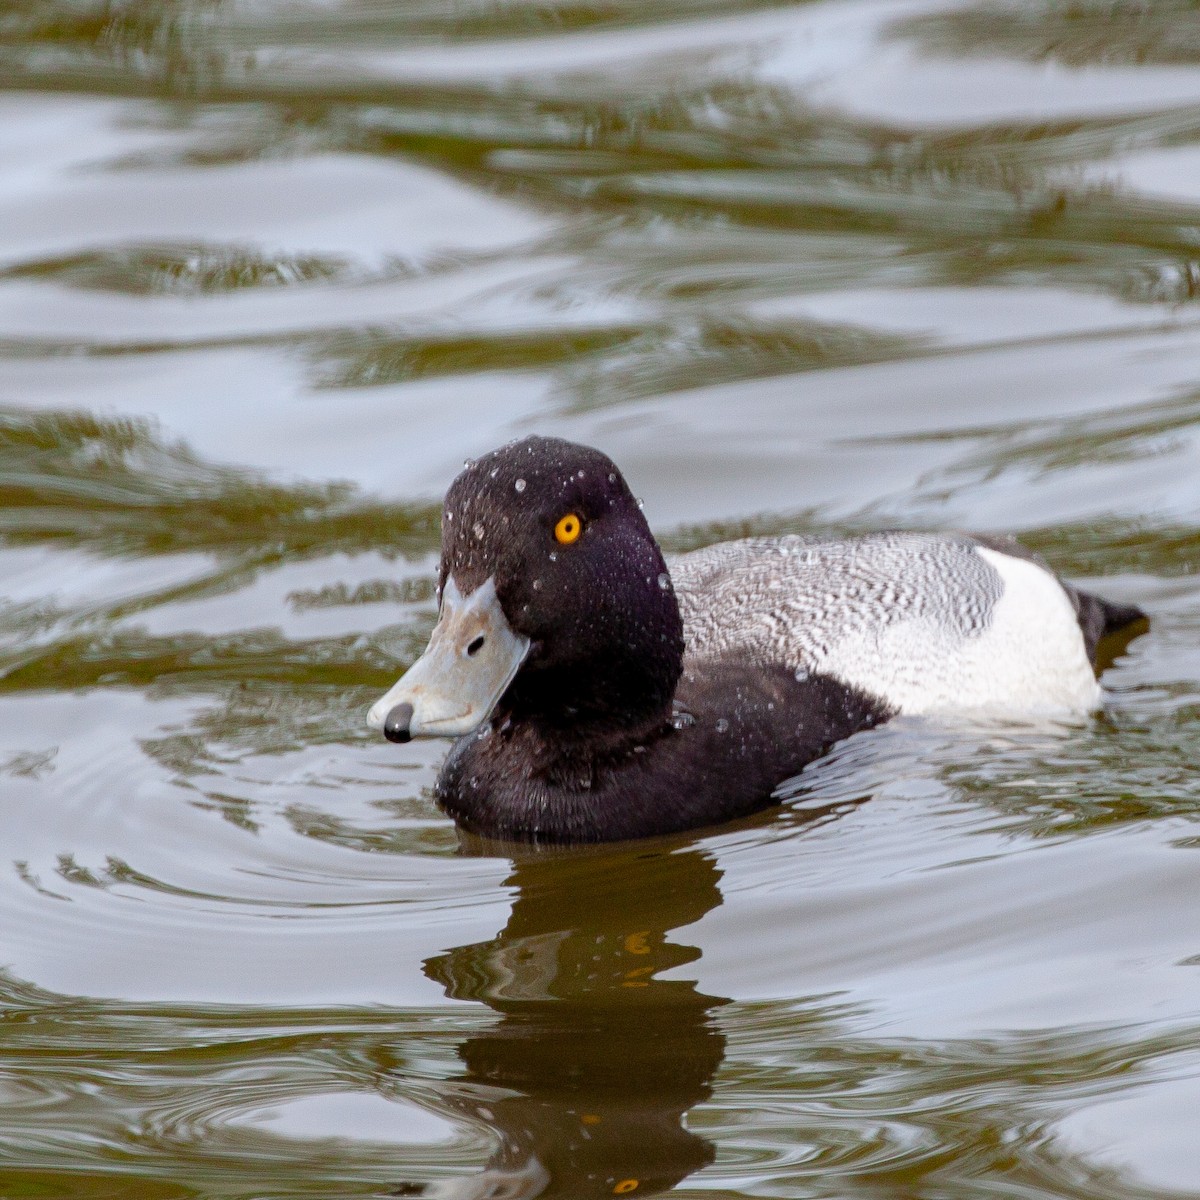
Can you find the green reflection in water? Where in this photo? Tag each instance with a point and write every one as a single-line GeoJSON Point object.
{"type": "Point", "coordinates": [591, 1073]}
{"type": "Point", "coordinates": [113, 31]}
{"type": "Point", "coordinates": [595, 1060]}
{"type": "Point", "coordinates": [697, 199]}
{"type": "Point", "coordinates": [1078, 34]}
{"type": "Point", "coordinates": [181, 270]}
{"type": "Point", "coordinates": [116, 487]}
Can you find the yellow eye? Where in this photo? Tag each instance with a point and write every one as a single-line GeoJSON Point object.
{"type": "Point", "coordinates": [568, 529]}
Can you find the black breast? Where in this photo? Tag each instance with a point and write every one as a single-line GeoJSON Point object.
{"type": "Point", "coordinates": [738, 731]}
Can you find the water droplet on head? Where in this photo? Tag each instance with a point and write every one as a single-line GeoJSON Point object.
{"type": "Point", "coordinates": [554, 556]}
{"type": "Point", "coordinates": [664, 581]}
{"type": "Point", "coordinates": [722, 725]}
{"type": "Point", "coordinates": [612, 477]}
{"type": "Point", "coordinates": [537, 585]}
{"type": "Point", "coordinates": [519, 485]}
{"type": "Point", "coordinates": [638, 501]}
{"type": "Point", "coordinates": [468, 463]}
{"type": "Point", "coordinates": [578, 474]}
{"type": "Point", "coordinates": [494, 472]}
{"type": "Point", "coordinates": [802, 674]}
{"type": "Point", "coordinates": [477, 530]}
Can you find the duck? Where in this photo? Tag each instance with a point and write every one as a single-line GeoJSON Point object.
{"type": "Point", "coordinates": [596, 692]}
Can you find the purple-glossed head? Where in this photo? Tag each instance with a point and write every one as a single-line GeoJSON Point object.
{"type": "Point", "coordinates": [555, 601]}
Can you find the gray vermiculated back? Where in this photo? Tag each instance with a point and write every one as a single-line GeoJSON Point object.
{"type": "Point", "coordinates": [788, 599]}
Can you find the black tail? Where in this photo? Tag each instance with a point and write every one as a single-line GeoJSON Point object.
{"type": "Point", "coordinates": [1100, 619]}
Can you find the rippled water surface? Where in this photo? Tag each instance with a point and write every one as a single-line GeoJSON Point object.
{"type": "Point", "coordinates": [269, 271]}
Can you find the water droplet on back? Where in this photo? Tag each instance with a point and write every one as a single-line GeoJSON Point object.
{"type": "Point", "coordinates": [477, 530]}
{"type": "Point", "coordinates": [664, 581]}
{"type": "Point", "coordinates": [519, 485]}
{"type": "Point", "coordinates": [802, 674]}
{"type": "Point", "coordinates": [722, 725]}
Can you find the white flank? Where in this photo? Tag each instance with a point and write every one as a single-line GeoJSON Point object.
{"type": "Point", "coordinates": [1029, 658]}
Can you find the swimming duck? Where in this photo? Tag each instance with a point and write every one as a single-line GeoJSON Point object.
{"type": "Point", "coordinates": [597, 693]}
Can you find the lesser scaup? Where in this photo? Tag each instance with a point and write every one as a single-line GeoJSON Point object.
{"type": "Point", "coordinates": [597, 694]}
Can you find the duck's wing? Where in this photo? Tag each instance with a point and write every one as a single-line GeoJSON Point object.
{"type": "Point", "coordinates": [1098, 618]}
{"type": "Point", "coordinates": [924, 622]}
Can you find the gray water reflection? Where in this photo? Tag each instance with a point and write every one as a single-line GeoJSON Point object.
{"type": "Point", "coordinates": [588, 1076]}
{"type": "Point", "coordinates": [268, 273]}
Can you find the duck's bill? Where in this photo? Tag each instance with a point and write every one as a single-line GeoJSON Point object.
{"type": "Point", "coordinates": [453, 687]}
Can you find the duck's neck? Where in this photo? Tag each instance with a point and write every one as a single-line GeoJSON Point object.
{"type": "Point", "coordinates": [603, 704]}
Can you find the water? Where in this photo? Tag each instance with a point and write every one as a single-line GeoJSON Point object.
{"type": "Point", "coordinates": [268, 273]}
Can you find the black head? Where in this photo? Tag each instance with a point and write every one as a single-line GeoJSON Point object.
{"type": "Point", "coordinates": [577, 571]}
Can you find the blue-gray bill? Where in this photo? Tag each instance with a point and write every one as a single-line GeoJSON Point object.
{"type": "Point", "coordinates": [452, 688]}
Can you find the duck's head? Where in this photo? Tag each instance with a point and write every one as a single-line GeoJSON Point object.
{"type": "Point", "coordinates": [554, 603]}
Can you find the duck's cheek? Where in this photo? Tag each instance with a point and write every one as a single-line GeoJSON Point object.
{"type": "Point", "coordinates": [453, 687]}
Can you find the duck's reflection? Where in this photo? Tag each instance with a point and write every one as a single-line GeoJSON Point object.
{"type": "Point", "coordinates": [596, 1060]}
